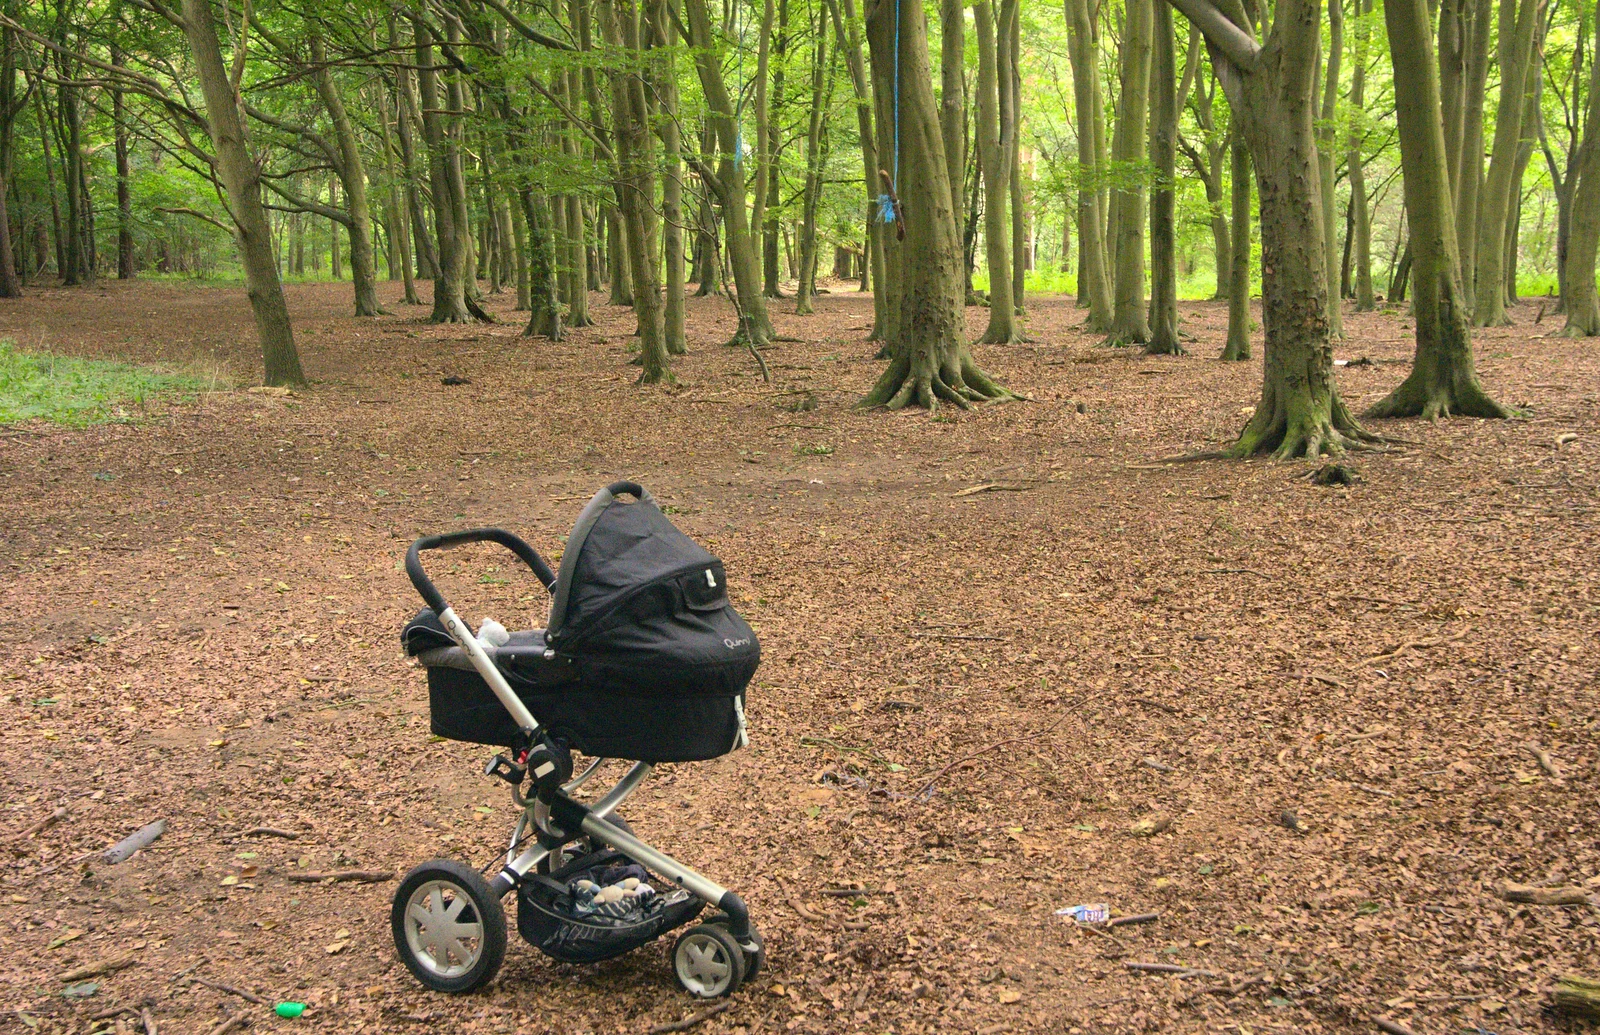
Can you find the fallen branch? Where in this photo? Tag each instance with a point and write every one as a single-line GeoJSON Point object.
{"type": "Point", "coordinates": [1232, 988]}
{"type": "Point", "coordinates": [1392, 1027]}
{"type": "Point", "coordinates": [135, 842]}
{"type": "Point", "coordinates": [1150, 762]}
{"type": "Point", "coordinates": [238, 1020]}
{"type": "Point", "coordinates": [1122, 946]}
{"type": "Point", "coordinates": [1544, 896]}
{"type": "Point", "coordinates": [1137, 918]}
{"type": "Point", "coordinates": [1170, 968]}
{"type": "Point", "coordinates": [1543, 758]}
{"type": "Point", "coordinates": [288, 835]}
{"type": "Point", "coordinates": [231, 990]}
{"type": "Point", "coordinates": [44, 824]}
{"type": "Point", "coordinates": [149, 1021]}
{"type": "Point", "coordinates": [1434, 641]}
{"type": "Point", "coordinates": [355, 876]}
{"type": "Point", "coordinates": [1234, 571]}
{"type": "Point", "coordinates": [105, 966]}
{"type": "Point", "coordinates": [794, 902]}
{"type": "Point", "coordinates": [954, 636]}
{"type": "Point", "coordinates": [927, 788]}
{"type": "Point", "coordinates": [994, 487]}
{"type": "Point", "coordinates": [690, 1021]}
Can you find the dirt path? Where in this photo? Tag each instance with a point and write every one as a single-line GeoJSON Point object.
{"type": "Point", "coordinates": [201, 614]}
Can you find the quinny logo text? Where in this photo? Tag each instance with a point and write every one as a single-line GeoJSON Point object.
{"type": "Point", "coordinates": [730, 644]}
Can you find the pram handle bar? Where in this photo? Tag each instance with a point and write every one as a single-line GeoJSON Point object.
{"type": "Point", "coordinates": [430, 593]}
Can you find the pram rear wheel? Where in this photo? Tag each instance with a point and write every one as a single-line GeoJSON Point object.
{"type": "Point", "coordinates": [449, 928]}
{"type": "Point", "coordinates": [707, 962]}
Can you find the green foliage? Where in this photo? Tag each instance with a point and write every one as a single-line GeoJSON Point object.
{"type": "Point", "coordinates": [79, 392]}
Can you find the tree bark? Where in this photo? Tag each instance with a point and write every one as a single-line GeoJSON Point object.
{"type": "Point", "coordinates": [811, 192]}
{"type": "Point", "coordinates": [1093, 285]}
{"type": "Point", "coordinates": [665, 88]}
{"type": "Point", "coordinates": [353, 176]}
{"type": "Point", "coordinates": [994, 145]}
{"type": "Point", "coordinates": [1516, 45]}
{"type": "Point", "coordinates": [849, 39]}
{"type": "Point", "coordinates": [237, 169]}
{"type": "Point", "coordinates": [449, 294]}
{"type": "Point", "coordinates": [1327, 141]}
{"type": "Point", "coordinates": [1583, 304]}
{"type": "Point", "coordinates": [1442, 380]}
{"type": "Point", "coordinates": [1238, 343]}
{"type": "Point", "coordinates": [1128, 321]}
{"type": "Point", "coordinates": [727, 181]}
{"type": "Point", "coordinates": [1468, 174]}
{"type": "Point", "coordinates": [928, 358]}
{"type": "Point", "coordinates": [1163, 198]}
{"type": "Point", "coordinates": [1360, 218]}
{"type": "Point", "coordinates": [1271, 89]}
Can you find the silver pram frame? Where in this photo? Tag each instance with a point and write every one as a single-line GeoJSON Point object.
{"type": "Point", "coordinates": [449, 923]}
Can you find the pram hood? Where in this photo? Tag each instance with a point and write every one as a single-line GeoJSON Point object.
{"type": "Point", "coordinates": [618, 550]}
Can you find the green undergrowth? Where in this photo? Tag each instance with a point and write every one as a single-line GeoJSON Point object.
{"type": "Point", "coordinates": [79, 392]}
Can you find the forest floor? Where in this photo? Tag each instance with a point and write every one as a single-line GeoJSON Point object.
{"type": "Point", "coordinates": [995, 644]}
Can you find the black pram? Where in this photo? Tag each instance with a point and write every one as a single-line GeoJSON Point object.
{"type": "Point", "coordinates": [644, 658]}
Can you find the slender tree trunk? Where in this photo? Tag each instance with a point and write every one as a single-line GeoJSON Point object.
{"type": "Point", "coordinates": [811, 192]}
{"type": "Point", "coordinates": [727, 181]}
{"type": "Point", "coordinates": [1583, 304]}
{"type": "Point", "coordinates": [1128, 323]}
{"type": "Point", "coordinates": [1442, 379]}
{"type": "Point", "coordinates": [928, 358]}
{"type": "Point", "coordinates": [1516, 45]}
{"type": "Point", "coordinates": [353, 175]}
{"type": "Point", "coordinates": [237, 169]}
{"type": "Point", "coordinates": [1238, 343]}
{"type": "Point", "coordinates": [1093, 285]}
{"type": "Point", "coordinates": [1011, 113]}
{"type": "Point", "coordinates": [1163, 196]}
{"type": "Point", "coordinates": [665, 88]}
{"type": "Point", "coordinates": [1532, 95]}
{"type": "Point", "coordinates": [637, 190]}
{"type": "Point", "coordinates": [994, 144]}
{"type": "Point", "coordinates": [1360, 218]}
{"type": "Point", "coordinates": [849, 38]}
{"type": "Point", "coordinates": [449, 293]}
{"type": "Point", "coordinates": [1327, 142]}
{"type": "Point", "coordinates": [396, 202]}
{"type": "Point", "coordinates": [119, 130]}
{"type": "Point", "coordinates": [10, 281]}
{"type": "Point", "coordinates": [1468, 175]}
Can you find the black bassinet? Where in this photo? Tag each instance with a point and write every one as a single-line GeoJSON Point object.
{"type": "Point", "coordinates": [644, 657]}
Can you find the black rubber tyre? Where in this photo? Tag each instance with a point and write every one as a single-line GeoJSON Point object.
{"type": "Point", "coordinates": [755, 961]}
{"type": "Point", "coordinates": [448, 927]}
{"type": "Point", "coordinates": [707, 963]}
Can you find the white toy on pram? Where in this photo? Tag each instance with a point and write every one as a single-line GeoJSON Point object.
{"type": "Point", "coordinates": [645, 659]}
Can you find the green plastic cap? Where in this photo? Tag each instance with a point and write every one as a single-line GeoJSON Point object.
{"type": "Point", "coordinates": [290, 1009]}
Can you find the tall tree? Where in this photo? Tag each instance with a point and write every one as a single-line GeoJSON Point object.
{"type": "Point", "coordinates": [929, 362]}
{"type": "Point", "coordinates": [1093, 284]}
{"type": "Point", "coordinates": [1270, 87]}
{"type": "Point", "coordinates": [1582, 302]}
{"type": "Point", "coordinates": [1360, 218]}
{"type": "Point", "coordinates": [994, 146]}
{"type": "Point", "coordinates": [239, 172]}
{"type": "Point", "coordinates": [1516, 47]}
{"type": "Point", "coordinates": [1443, 379]}
{"type": "Point", "coordinates": [1128, 321]}
{"type": "Point", "coordinates": [1327, 137]}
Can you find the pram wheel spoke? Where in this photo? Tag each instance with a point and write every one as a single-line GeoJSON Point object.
{"type": "Point", "coordinates": [754, 958]}
{"type": "Point", "coordinates": [707, 962]}
{"type": "Point", "coordinates": [449, 928]}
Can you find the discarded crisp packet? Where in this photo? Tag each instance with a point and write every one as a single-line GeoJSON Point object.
{"type": "Point", "coordinates": [1097, 913]}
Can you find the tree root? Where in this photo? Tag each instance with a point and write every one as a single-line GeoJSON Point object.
{"type": "Point", "coordinates": [1286, 435]}
{"type": "Point", "coordinates": [1430, 397]}
{"type": "Point", "coordinates": [958, 381]}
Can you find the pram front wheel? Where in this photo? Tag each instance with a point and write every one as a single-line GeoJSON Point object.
{"type": "Point", "coordinates": [449, 928]}
{"type": "Point", "coordinates": [754, 958]}
{"type": "Point", "coordinates": [707, 962]}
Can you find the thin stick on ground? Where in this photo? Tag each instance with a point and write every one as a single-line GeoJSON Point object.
{"type": "Point", "coordinates": [690, 1021]}
{"type": "Point", "coordinates": [231, 990]}
{"type": "Point", "coordinates": [927, 788]}
{"type": "Point", "coordinates": [794, 901]}
{"type": "Point", "coordinates": [357, 876]}
{"type": "Point", "coordinates": [1392, 1027]}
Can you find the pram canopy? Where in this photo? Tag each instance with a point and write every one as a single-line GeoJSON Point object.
{"type": "Point", "coordinates": [644, 656]}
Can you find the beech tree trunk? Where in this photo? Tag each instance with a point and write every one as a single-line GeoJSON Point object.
{"type": "Point", "coordinates": [1516, 45]}
{"type": "Point", "coordinates": [240, 175]}
{"type": "Point", "coordinates": [352, 175]}
{"type": "Point", "coordinates": [1360, 218]}
{"type": "Point", "coordinates": [849, 41]}
{"type": "Point", "coordinates": [1238, 343]}
{"type": "Point", "coordinates": [1468, 180]}
{"type": "Point", "coordinates": [1582, 301]}
{"type": "Point", "coordinates": [1327, 141]}
{"type": "Point", "coordinates": [1093, 286]}
{"type": "Point", "coordinates": [994, 145]}
{"type": "Point", "coordinates": [1128, 321]}
{"type": "Point", "coordinates": [1442, 380]}
{"type": "Point", "coordinates": [1163, 197]}
{"type": "Point", "coordinates": [1271, 89]}
{"type": "Point", "coordinates": [926, 334]}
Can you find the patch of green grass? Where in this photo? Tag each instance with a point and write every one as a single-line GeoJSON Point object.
{"type": "Point", "coordinates": [79, 392]}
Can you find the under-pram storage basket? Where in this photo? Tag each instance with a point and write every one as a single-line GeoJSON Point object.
{"type": "Point", "coordinates": [644, 658]}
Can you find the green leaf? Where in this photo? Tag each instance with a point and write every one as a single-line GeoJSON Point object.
{"type": "Point", "coordinates": [1368, 908]}
{"type": "Point", "coordinates": [1207, 869]}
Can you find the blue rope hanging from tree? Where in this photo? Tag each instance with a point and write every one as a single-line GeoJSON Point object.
{"type": "Point", "coordinates": [889, 210]}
